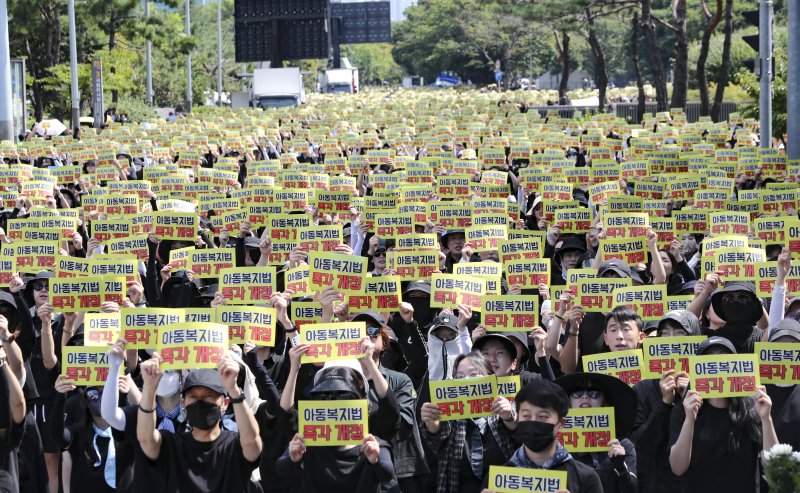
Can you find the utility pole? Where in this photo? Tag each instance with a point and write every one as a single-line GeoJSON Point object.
{"type": "Point", "coordinates": [188, 59]}
{"type": "Point", "coordinates": [765, 56]}
{"type": "Point", "coordinates": [793, 105]}
{"type": "Point", "coordinates": [219, 51]}
{"type": "Point", "coordinates": [148, 61]}
{"type": "Point", "coordinates": [75, 94]}
{"type": "Point", "coordinates": [6, 113]}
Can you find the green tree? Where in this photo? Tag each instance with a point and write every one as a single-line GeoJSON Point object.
{"type": "Point", "coordinates": [780, 89]}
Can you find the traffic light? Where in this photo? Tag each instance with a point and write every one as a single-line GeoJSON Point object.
{"type": "Point", "coordinates": [754, 42]}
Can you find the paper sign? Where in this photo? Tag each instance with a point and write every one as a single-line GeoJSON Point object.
{"type": "Point", "coordinates": [85, 294]}
{"type": "Point", "coordinates": [625, 365]}
{"type": "Point", "coordinates": [346, 273]}
{"type": "Point", "coordinates": [588, 429]}
{"type": "Point", "coordinates": [140, 326]}
{"type": "Point", "coordinates": [32, 257]}
{"type": "Point", "coordinates": [668, 353]}
{"type": "Point", "coordinates": [778, 362]}
{"type": "Point", "coordinates": [464, 398]}
{"type": "Point", "coordinates": [305, 312]}
{"type": "Point", "coordinates": [332, 341]}
{"type": "Point", "coordinates": [417, 265]}
{"type": "Point", "coordinates": [191, 346]}
{"type": "Point", "coordinates": [485, 239]}
{"type": "Point", "coordinates": [450, 290]}
{"type": "Point", "coordinates": [320, 238]}
{"type": "Point", "coordinates": [597, 294]}
{"type": "Point", "coordinates": [209, 262]}
{"type": "Point", "coordinates": [381, 294]}
{"type": "Point", "coordinates": [182, 226]}
{"type": "Point", "coordinates": [515, 479]}
{"type": "Point", "coordinates": [332, 423]}
{"type": "Point", "coordinates": [254, 323]}
{"type": "Point", "coordinates": [86, 366]}
{"type": "Point", "coordinates": [625, 225]}
{"type": "Point", "coordinates": [247, 285]}
{"type": "Point", "coordinates": [649, 302]}
{"type": "Point", "coordinates": [508, 387]}
{"type": "Point", "coordinates": [724, 375]}
{"type": "Point", "coordinates": [133, 245]}
{"type": "Point", "coordinates": [296, 281]}
{"type": "Point", "coordinates": [528, 273]}
{"type": "Point", "coordinates": [632, 251]}
{"type": "Point", "coordinates": [101, 329]}
{"type": "Point", "coordinates": [510, 313]}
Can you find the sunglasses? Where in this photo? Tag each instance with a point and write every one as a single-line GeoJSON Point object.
{"type": "Point", "coordinates": [732, 298]}
{"type": "Point", "coordinates": [40, 286]}
{"type": "Point", "coordinates": [92, 395]}
{"type": "Point", "coordinates": [590, 393]}
{"type": "Point", "coordinates": [373, 332]}
{"type": "Point", "coordinates": [336, 396]}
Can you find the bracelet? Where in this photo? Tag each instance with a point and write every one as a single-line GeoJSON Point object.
{"type": "Point", "coordinates": [573, 334]}
{"type": "Point", "coordinates": [560, 318]}
{"type": "Point", "coordinates": [146, 411]}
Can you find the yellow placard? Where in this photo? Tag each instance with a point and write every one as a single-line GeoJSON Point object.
{"type": "Point", "coordinates": [332, 423]}
{"type": "Point", "coordinates": [209, 262]}
{"type": "Point", "coordinates": [344, 272]}
{"type": "Point", "coordinates": [101, 329]}
{"type": "Point", "coordinates": [625, 365]}
{"type": "Point", "coordinates": [650, 302]}
{"type": "Point", "coordinates": [72, 266]}
{"type": "Point", "coordinates": [32, 257]}
{"type": "Point", "coordinates": [528, 273]}
{"type": "Point", "coordinates": [320, 238]}
{"type": "Point", "coordinates": [86, 366]}
{"type": "Point", "coordinates": [180, 226]}
{"type": "Point", "coordinates": [767, 273]}
{"type": "Point", "coordinates": [140, 326]}
{"type": "Point", "coordinates": [198, 315]}
{"type": "Point", "coordinates": [134, 245]}
{"type": "Point", "coordinates": [588, 429]}
{"type": "Point", "coordinates": [415, 265]}
{"type": "Point", "coordinates": [625, 225]}
{"type": "Point", "coordinates": [464, 397]}
{"type": "Point", "coordinates": [332, 341]}
{"type": "Point", "coordinates": [393, 226]}
{"type": "Point", "coordinates": [597, 294]}
{"type": "Point", "coordinates": [515, 479]}
{"type": "Point", "coordinates": [736, 264]}
{"type": "Point", "coordinates": [254, 323]}
{"type": "Point", "coordinates": [485, 239]}
{"type": "Point", "coordinates": [85, 294]}
{"type": "Point", "coordinates": [632, 251]}
{"type": "Point", "coordinates": [306, 312]}
{"type": "Point", "coordinates": [778, 362]}
{"type": "Point", "coordinates": [668, 353]}
{"type": "Point", "coordinates": [724, 375]}
{"type": "Point", "coordinates": [381, 294]}
{"type": "Point", "coordinates": [510, 313]}
{"type": "Point", "coordinates": [509, 386]}
{"type": "Point", "coordinates": [450, 290]}
{"type": "Point", "coordinates": [118, 266]}
{"type": "Point", "coordinates": [573, 220]}
{"type": "Point", "coordinates": [192, 346]}
{"type": "Point", "coordinates": [296, 281]}
{"type": "Point", "coordinates": [247, 285]}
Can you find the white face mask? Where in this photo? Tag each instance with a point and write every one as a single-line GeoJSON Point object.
{"type": "Point", "coordinates": [169, 385]}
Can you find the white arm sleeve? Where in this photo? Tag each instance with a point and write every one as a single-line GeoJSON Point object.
{"type": "Point", "coordinates": [776, 306]}
{"type": "Point", "coordinates": [109, 402]}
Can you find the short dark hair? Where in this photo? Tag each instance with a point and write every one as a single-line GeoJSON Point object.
{"type": "Point", "coordinates": [622, 314]}
{"type": "Point", "coordinates": [544, 394]}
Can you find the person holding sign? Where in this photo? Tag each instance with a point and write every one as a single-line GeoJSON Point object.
{"type": "Point", "coordinates": [566, 256]}
{"type": "Point", "coordinates": [340, 469]}
{"type": "Point", "coordinates": [467, 447]}
{"type": "Point", "coordinates": [447, 339]}
{"type": "Point", "coordinates": [715, 443]}
{"type": "Point", "coordinates": [617, 468]}
{"type": "Point", "coordinates": [12, 421]}
{"type": "Point", "coordinates": [541, 407]}
{"type": "Point", "coordinates": [737, 304]}
{"type": "Point", "coordinates": [655, 401]}
{"type": "Point", "coordinates": [453, 242]}
{"type": "Point", "coordinates": [785, 396]}
{"type": "Point", "coordinates": [206, 458]}
{"type": "Point", "coordinates": [623, 332]}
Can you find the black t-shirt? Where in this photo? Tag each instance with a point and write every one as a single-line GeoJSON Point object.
{"type": "Point", "coordinates": [785, 410]}
{"type": "Point", "coordinates": [186, 465]}
{"type": "Point", "coordinates": [10, 440]}
{"type": "Point", "coordinates": [86, 476]}
{"type": "Point", "coordinates": [713, 467]}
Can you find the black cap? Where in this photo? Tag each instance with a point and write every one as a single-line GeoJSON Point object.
{"type": "Point", "coordinates": [481, 341]}
{"type": "Point", "coordinates": [617, 393]}
{"type": "Point", "coordinates": [449, 232]}
{"type": "Point", "coordinates": [204, 377]}
{"type": "Point", "coordinates": [786, 328]}
{"type": "Point", "coordinates": [615, 265]}
{"type": "Point", "coordinates": [424, 286]}
{"type": "Point", "coordinates": [715, 341]}
{"type": "Point", "coordinates": [449, 321]}
{"type": "Point", "coordinates": [370, 315]}
{"type": "Point", "coordinates": [340, 376]}
{"type": "Point", "coordinates": [685, 319]}
{"type": "Point", "coordinates": [757, 309]}
{"type": "Point", "coordinates": [569, 243]}
{"type": "Point", "coordinates": [687, 287]}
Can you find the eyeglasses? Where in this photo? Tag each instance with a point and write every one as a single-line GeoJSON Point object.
{"type": "Point", "coordinates": [40, 286]}
{"type": "Point", "coordinates": [590, 393]}
{"type": "Point", "coordinates": [373, 332]}
{"type": "Point", "coordinates": [336, 396]}
{"type": "Point", "coordinates": [92, 395]}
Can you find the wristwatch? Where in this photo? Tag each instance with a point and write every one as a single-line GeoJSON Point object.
{"type": "Point", "coordinates": [237, 400]}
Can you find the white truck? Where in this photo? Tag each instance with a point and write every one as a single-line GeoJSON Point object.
{"type": "Point", "coordinates": [339, 80]}
{"type": "Point", "coordinates": [277, 88]}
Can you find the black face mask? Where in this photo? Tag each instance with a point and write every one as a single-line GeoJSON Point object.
{"type": "Point", "coordinates": [737, 312]}
{"type": "Point", "coordinates": [736, 332]}
{"type": "Point", "coordinates": [535, 435]}
{"type": "Point", "coordinates": [423, 313]}
{"type": "Point", "coordinates": [203, 415]}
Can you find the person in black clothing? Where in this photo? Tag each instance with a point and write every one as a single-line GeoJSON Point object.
{"type": "Point", "coordinates": [566, 256]}
{"type": "Point", "coordinates": [206, 459]}
{"type": "Point", "coordinates": [655, 401]}
{"type": "Point", "coordinates": [541, 407]}
{"type": "Point", "coordinates": [738, 305]}
{"type": "Point", "coordinates": [88, 439]}
{"type": "Point", "coordinates": [346, 469]}
{"type": "Point", "coordinates": [715, 443]}
{"type": "Point", "coordinates": [617, 468]}
{"type": "Point", "coordinates": [12, 419]}
{"type": "Point", "coordinates": [786, 397]}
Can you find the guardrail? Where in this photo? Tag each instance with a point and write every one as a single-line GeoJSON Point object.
{"type": "Point", "coordinates": [628, 111]}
